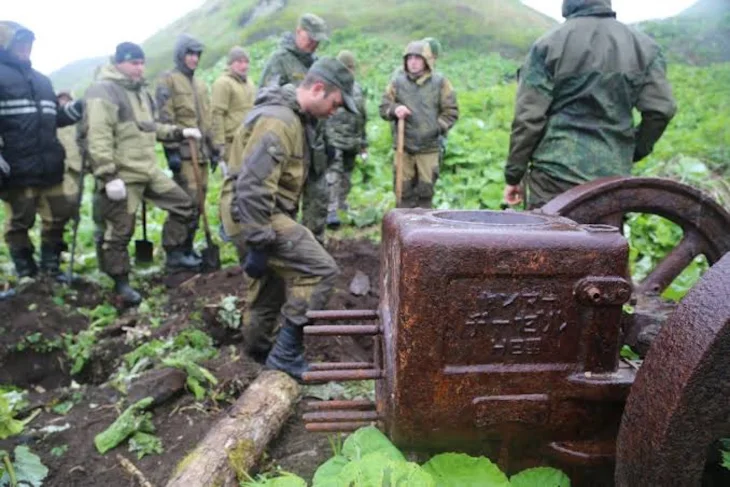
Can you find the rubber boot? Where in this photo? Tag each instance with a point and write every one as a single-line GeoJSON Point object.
{"type": "Point", "coordinates": [288, 352]}
{"type": "Point", "coordinates": [179, 260]}
{"type": "Point", "coordinates": [333, 220]}
{"type": "Point", "coordinates": [51, 263]}
{"type": "Point", "coordinates": [25, 265]}
{"type": "Point", "coordinates": [129, 296]}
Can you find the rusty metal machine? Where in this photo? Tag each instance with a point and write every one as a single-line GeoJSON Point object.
{"type": "Point", "coordinates": [499, 333]}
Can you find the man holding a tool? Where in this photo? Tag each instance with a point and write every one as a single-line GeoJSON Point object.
{"type": "Point", "coordinates": [183, 100]}
{"type": "Point", "coordinates": [424, 103]}
{"type": "Point", "coordinates": [120, 132]}
{"type": "Point", "coordinates": [290, 271]}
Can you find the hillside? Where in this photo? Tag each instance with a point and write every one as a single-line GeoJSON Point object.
{"type": "Point", "coordinates": [700, 35]}
{"type": "Point", "coordinates": [504, 26]}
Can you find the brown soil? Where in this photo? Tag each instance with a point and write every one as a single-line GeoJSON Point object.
{"type": "Point", "coordinates": [41, 366]}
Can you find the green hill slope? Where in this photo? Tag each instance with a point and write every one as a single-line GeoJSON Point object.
{"type": "Point", "coordinates": [699, 35]}
{"type": "Point", "coordinates": [483, 26]}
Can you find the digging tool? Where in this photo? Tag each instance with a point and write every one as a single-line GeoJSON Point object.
{"type": "Point", "coordinates": [400, 142]}
{"type": "Point", "coordinates": [211, 254]}
{"type": "Point", "coordinates": [143, 249]}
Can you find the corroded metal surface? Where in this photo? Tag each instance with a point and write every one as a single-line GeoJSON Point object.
{"type": "Point", "coordinates": [679, 401]}
{"type": "Point", "coordinates": [705, 223]}
{"type": "Point", "coordinates": [501, 335]}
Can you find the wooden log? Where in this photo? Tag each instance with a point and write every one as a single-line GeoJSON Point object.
{"type": "Point", "coordinates": [235, 443]}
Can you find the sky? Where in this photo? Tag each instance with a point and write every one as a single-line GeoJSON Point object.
{"type": "Point", "coordinates": [75, 29]}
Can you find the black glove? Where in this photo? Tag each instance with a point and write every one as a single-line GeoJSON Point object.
{"type": "Point", "coordinates": [215, 158]}
{"type": "Point", "coordinates": [174, 162]}
{"type": "Point", "coordinates": [4, 171]}
{"type": "Point", "coordinates": [255, 265]}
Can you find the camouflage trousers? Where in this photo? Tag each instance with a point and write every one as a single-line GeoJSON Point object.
{"type": "Point", "coordinates": [233, 230]}
{"type": "Point", "coordinates": [116, 220]}
{"type": "Point", "coordinates": [186, 180]}
{"type": "Point", "coordinates": [338, 179]}
{"type": "Point", "coordinates": [420, 173]}
{"type": "Point", "coordinates": [300, 277]}
{"type": "Point", "coordinates": [542, 187]}
{"type": "Point", "coordinates": [56, 205]}
{"type": "Point", "coordinates": [315, 198]}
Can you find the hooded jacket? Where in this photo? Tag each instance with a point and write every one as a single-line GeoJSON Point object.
{"type": "Point", "coordinates": [430, 97]}
{"type": "Point", "coordinates": [120, 128]}
{"type": "Point", "coordinates": [183, 99]}
{"type": "Point", "coordinates": [272, 146]}
{"type": "Point", "coordinates": [577, 89]}
{"type": "Point", "coordinates": [29, 117]}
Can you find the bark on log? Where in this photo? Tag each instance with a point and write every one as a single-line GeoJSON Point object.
{"type": "Point", "coordinates": [236, 442]}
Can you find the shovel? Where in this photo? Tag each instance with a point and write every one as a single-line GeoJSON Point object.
{"type": "Point", "coordinates": [211, 254]}
{"type": "Point", "coordinates": [400, 142]}
{"type": "Point", "coordinates": [143, 249]}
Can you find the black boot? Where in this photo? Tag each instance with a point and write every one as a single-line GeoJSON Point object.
{"type": "Point", "coordinates": [25, 265]}
{"type": "Point", "coordinates": [333, 220]}
{"type": "Point", "coordinates": [179, 260]}
{"type": "Point", "coordinates": [288, 352]}
{"type": "Point", "coordinates": [51, 263]}
{"type": "Point", "coordinates": [129, 296]}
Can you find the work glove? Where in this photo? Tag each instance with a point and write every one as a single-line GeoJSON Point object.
{"type": "Point", "coordinates": [116, 190]}
{"type": "Point", "coordinates": [255, 265]}
{"type": "Point", "coordinates": [215, 158]}
{"type": "Point", "coordinates": [4, 171]}
{"type": "Point", "coordinates": [174, 162]}
{"type": "Point", "coordinates": [192, 133]}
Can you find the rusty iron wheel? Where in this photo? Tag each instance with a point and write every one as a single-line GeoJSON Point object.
{"type": "Point", "coordinates": [705, 223]}
{"type": "Point", "coordinates": [678, 403]}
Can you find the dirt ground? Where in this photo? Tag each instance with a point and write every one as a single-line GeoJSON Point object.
{"type": "Point", "coordinates": [40, 365]}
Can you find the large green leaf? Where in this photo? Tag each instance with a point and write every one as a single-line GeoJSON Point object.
{"type": "Point", "coordinates": [540, 477]}
{"type": "Point", "coordinates": [28, 468]}
{"type": "Point", "coordinates": [460, 470]}
{"type": "Point", "coordinates": [327, 473]}
{"type": "Point", "coordinates": [369, 440]}
{"type": "Point", "coordinates": [377, 469]}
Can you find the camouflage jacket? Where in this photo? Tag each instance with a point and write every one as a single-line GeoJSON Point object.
{"type": "Point", "coordinates": [573, 116]}
{"type": "Point", "coordinates": [233, 98]}
{"type": "Point", "coordinates": [272, 146]}
{"type": "Point", "coordinates": [183, 100]}
{"type": "Point", "coordinates": [120, 129]}
{"type": "Point", "coordinates": [345, 130]}
{"type": "Point", "coordinates": [432, 101]}
{"type": "Point", "coordinates": [287, 65]}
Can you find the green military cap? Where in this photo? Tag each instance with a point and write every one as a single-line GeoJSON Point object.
{"type": "Point", "coordinates": [347, 58]}
{"type": "Point", "coordinates": [236, 53]}
{"type": "Point", "coordinates": [335, 73]}
{"type": "Point", "coordinates": [315, 26]}
{"type": "Point", "coordinates": [435, 45]}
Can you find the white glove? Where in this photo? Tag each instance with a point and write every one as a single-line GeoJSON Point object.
{"type": "Point", "coordinates": [116, 190]}
{"type": "Point", "coordinates": [224, 168]}
{"type": "Point", "coordinates": [192, 133]}
{"type": "Point", "coordinates": [364, 156]}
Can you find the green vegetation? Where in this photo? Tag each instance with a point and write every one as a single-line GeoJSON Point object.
{"type": "Point", "coordinates": [368, 458]}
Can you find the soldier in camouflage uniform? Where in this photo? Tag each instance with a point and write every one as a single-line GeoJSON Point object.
{"type": "Point", "coordinates": [577, 89]}
{"type": "Point", "coordinates": [290, 271]}
{"type": "Point", "coordinates": [31, 157]}
{"type": "Point", "coordinates": [183, 101]}
{"type": "Point", "coordinates": [289, 64]}
{"type": "Point", "coordinates": [120, 133]}
{"type": "Point", "coordinates": [233, 97]}
{"type": "Point", "coordinates": [346, 138]}
{"type": "Point", "coordinates": [427, 102]}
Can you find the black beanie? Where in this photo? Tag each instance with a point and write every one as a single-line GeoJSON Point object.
{"type": "Point", "coordinates": [128, 51]}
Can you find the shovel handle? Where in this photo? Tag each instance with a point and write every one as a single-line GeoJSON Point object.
{"type": "Point", "coordinates": [144, 220]}
{"type": "Point", "coordinates": [400, 142]}
{"type": "Point", "coordinates": [201, 194]}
